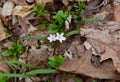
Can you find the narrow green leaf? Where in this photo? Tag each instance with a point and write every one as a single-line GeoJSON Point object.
{"type": "Point", "coordinates": [4, 79]}
{"type": "Point", "coordinates": [94, 81]}
{"type": "Point", "coordinates": [53, 28]}
{"type": "Point", "coordinates": [14, 75]}
{"type": "Point", "coordinates": [36, 37]}
{"type": "Point", "coordinates": [55, 61]}
{"type": "Point", "coordinates": [16, 67]}
{"type": "Point", "coordinates": [42, 71]}
{"type": "Point", "coordinates": [6, 53]}
{"type": "Point", "coordinates": [77, 79]}
{"type": "Point", "coordinates": [72, 33]}
{"type": "Point", "coordinates": [18, 63]}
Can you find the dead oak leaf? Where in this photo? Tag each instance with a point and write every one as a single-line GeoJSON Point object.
{"type": "Point", "coordinates": [81, 63]}
{"type": "Point", "coordinates": [38, 57]}
{"type": "Point", "coordinates": [22, 11]}
{"type": "Point", "coordinates": [105, 43]}
{"type": "Point", "coordinates": [84, 66]}
{"type": "Point", "coordinates": [106, 52]}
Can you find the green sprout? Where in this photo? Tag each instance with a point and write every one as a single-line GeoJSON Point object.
{"type": "Point", "coordinates": [39, 10]}
{"type": "Point", "coordinates": [56, 61]}
{"type": "Point", "coordinates": [6, 31]}
{"type": "Point", "coordinates": [80, 6]}
{"type": "Point", "coordinates": [4, 78]}
{"type": "Point", "coordinates": [60, 18]}
{"type": "Point", "coordinates": [14, 50]}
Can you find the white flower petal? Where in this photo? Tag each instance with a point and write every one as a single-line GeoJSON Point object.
{"type": "Point", "coordinates": [51, 38]}
{"type": "Point", "coordinates": [60, 37]}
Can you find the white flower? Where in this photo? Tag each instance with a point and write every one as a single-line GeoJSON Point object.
{"type": "Point", "coordinates": [51, 38]}
{"type": "Point", "coordinates": [60, 37]}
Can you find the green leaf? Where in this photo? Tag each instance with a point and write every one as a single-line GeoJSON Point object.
{"type": "Point", "coordinates": [72, 33]}
{"type": "Point", "coordinates": [14, 75]}
{"type": "Point", "coordinates": [74, 16]}
{"type": "Point", "coordinates": [60, 60]}
{"type": "Point", "coordinates": [39, 10]}
{"type": "Point", "coordinates": [53, 28]}
{"type": "Point", "coordinates": [80, 6]}
{"type": "Point", "coordinates": [52, 58]}
{"type": "Point", "coordinates": [34, 72]}
{"type": "Point", "coordinates": [61, 17]}
{"type": "Point", "coordinates": [16, 67]}
{"type": "Point", "coordinates": [4, 78]}
{"type": "Point", "coordinates": [42, 71]}
{"type": "Point", "coordinates": [53, 64]}
{"type": "Point", "coordinates": [6, 53]}
{"type": "Point", "coordinates": [94, 81]}
{"type": "Point", "coordinates": [56, 61]}
{"type": "Point", "coordinates": [77, 79]}
{"type": "Point", "coordinates": [18, 63]}
{"type": "Point", "coordinates": [37, 37]}
{"type": "Point", "coordinates": [6, 31]}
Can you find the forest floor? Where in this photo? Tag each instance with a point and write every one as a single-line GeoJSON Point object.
{"type": "Point", "coordinates": [59, 40]}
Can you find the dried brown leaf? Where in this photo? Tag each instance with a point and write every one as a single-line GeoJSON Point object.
{"type": "Point", "coordinates": [43, 1]}
{"type": "Point", "coordinates": [116, 13]}
{"type": "Point", "coordinates": [38, 57]}
{"type": "Point", "coordinates": [3, 35]}
{"type": "Point", "coordinates": [105, 41]}
{"type": "Point", "coordinates": [7, 8]}
{"type": "Point", "coordinates": [81, 0]}
{"type": "Point", "coordinates": [65, 2]}
{"type": "Point", "coordinates": [22, 11]}
{"type": "Point", "coordinates": [84, 66]}
{"type": "Point", "coordinates": [4, 67]}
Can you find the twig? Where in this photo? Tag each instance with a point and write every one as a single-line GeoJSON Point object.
{"type": "Point", "coordinates": [105, 2]}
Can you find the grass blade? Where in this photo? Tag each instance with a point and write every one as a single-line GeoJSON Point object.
{"type": "Point", "coordinates": [18, 63]}
{"type": "Point", "coordinates": [72, 33]}
{"type": "Point", "coordinates": [36, 37]}
{"type": "Point", "coordinates": [42, 71]}
{"type": "Point", "coordinates": [14, 75]}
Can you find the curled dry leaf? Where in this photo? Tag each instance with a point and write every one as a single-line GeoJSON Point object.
{"type": "Point", "coordinates": [26, 25]}
{"type": "Point", "coordinates": [81, 0]}
{"type": "Point", "coordinates": [84, 66]}
{"type": "Point", "coordinates": [19, 2]}
{"type": "Point", "coordinates": [104, 38]}
{"type": "Point", "coordinates": [30, 1]}
{"type": "Point", "coordinates": [7, 8]}
{"type": "Point", "coordinates": [3, 35]}
{"type": "Point", "coordinates": [117, 11]}
{"type": "Point", "coordinates": [38, 57]}
{"type": "Point", "coordinates": [44, 1]}
{"type": "Point", "coordinates": [65, 2]}
{"type": "Point", "coordinates": [22, 11]}
{"type": "Point", "coordinates": [105, 42]}
{"type": "Point", "coordinates": [4, 67]}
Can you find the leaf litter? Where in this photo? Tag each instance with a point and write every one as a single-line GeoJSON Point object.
{"type": "Point", "coordinates": [94, 54]}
